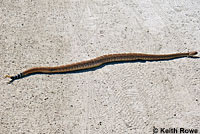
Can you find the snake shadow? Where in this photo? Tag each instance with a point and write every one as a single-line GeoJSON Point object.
{"type": "Point", "coordinates": [99, 67]}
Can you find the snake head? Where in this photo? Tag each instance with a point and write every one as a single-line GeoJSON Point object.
{"type": "Point", "coordinates": [193, 53]}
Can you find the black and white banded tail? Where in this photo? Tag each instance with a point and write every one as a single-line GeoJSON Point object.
{"type": "Point", "coordinates": [16, 76]}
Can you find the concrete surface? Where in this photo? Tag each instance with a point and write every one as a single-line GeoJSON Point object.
{"type": "Point", "coordinates": [130, 98]}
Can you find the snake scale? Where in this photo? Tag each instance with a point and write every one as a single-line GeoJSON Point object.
{"type": "Point", "coordinates": [98, 61]}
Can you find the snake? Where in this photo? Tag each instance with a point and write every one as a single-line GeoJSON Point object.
{"type": "Point", "coordinates": [98, 61]}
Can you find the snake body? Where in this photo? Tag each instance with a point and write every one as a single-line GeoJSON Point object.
{"type": "Point", "coordinates": [98, 61]}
